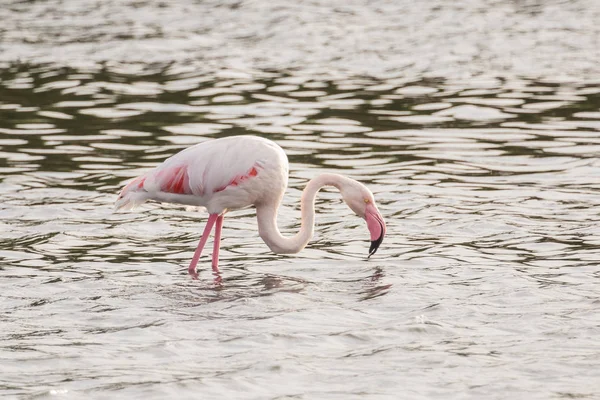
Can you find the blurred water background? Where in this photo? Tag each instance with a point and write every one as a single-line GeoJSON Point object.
{"type": "Point", "coordinates": [476, 123]}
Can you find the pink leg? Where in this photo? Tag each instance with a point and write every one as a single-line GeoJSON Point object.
{"type": "Point", "coordinates": [217, 245]}
{"type": "Point", "coordinates": [209, 224]}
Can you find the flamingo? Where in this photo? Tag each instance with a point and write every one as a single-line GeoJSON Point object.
{"type": "Point", "coordinates": [237, 172]}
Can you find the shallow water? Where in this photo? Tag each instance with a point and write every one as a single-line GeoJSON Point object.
{"type": "Point", "coordinates": [484, 164]}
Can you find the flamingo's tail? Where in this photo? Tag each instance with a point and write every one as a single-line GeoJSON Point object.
{"type": "Point", "coordinates": [132, 195]}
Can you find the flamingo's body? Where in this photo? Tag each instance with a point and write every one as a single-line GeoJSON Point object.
{"type": "Point", "coordinates": [237, 172]}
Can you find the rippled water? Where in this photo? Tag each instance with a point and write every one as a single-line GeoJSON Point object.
{"type": "Point", "coordinates": [489, 179]}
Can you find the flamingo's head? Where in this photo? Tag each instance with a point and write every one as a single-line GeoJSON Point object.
{"type": "Point", "coordinates": [360, 199]}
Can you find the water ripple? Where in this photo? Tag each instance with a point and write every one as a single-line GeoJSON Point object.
{"type": "Point", "coordinates": [486, 284]}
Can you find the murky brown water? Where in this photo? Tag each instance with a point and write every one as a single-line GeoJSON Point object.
{"type": "Point", "coordinates": [485, 164]}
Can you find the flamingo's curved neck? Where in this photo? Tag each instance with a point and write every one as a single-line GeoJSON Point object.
{"type": "Point", "coordinates": [267, 217]}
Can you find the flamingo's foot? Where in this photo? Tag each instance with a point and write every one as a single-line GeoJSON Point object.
{"type": "Point", "coordinates": [192, 272]}
{"type": "Point", "coordinates": [218, 280]}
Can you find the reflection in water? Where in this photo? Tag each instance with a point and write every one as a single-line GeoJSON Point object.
{"type": "Point", "coordinates": [375, 288]}
{"type": "Point", "coordinates": [486, 282]}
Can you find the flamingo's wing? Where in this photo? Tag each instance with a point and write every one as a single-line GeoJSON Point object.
{"type": "Point", "coordinates": [203, 170]}
{"type": "Point", "coordinates": [206, 168]}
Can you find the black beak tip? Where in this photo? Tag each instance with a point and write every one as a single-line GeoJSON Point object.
{"type": "Point", "coordinates": [375, 245]}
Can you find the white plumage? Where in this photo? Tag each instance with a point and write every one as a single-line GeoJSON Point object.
{"type": "Point", "coordinates": [208, 172]}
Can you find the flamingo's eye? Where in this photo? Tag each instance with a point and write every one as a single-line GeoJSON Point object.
{"type": "Point", "coordinates": [367, 201]}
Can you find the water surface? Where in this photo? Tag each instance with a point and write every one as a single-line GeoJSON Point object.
{"type": "Point", "coordinates": [488, 177]}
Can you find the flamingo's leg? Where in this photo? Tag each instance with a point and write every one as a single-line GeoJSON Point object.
{"type": "Point", "coordinates": [209, 224]}
{"type": "Point", "coordinates": [217, 245]}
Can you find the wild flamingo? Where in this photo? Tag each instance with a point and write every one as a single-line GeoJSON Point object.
{"type": "Point", "coordinates": [241, 171]}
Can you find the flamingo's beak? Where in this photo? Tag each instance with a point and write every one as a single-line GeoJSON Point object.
{"type": "Point", "coordinates": [376, 226]}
